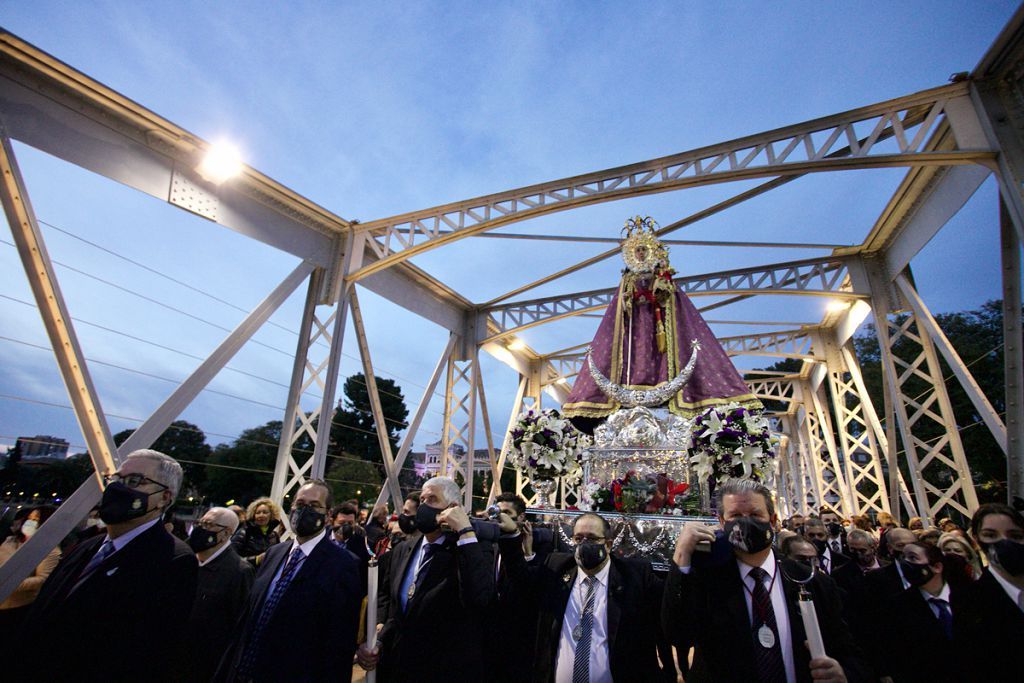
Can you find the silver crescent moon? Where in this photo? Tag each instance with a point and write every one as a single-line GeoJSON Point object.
{"type": "Point", "coordinates": [648, 398]}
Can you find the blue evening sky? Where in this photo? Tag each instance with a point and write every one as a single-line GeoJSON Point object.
{"type": "Point", "coordinates": [373, 109]}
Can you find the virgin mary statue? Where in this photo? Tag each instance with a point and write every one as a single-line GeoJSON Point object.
{"type": "Point", "coordinates": [652, 338]}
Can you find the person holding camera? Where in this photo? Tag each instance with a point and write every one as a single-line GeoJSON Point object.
{"type": "Point", "coordinates": [435, 595]}
{"type": "Point", "coordinates": [736, 605]}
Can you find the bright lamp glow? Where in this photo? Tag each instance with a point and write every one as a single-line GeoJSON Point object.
{"type": "Point", "coordinates": [222, 161]}
{"type": "Point", "coordinates": [837, 306]}
{"type": "Point", "coordinates": [516, 345]}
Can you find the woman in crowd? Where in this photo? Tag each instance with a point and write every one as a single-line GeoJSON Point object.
{"type": "Point", "coordinates": [14, 608]}
{"type": "Point", "coordinates": [956, 544]}
{"type": "Point", "coordinates": [261, 530]}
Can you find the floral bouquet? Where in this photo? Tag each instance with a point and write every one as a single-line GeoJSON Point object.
{"type": "Point", "coordinates": [650, 494]}
{"type": "Point", "coordinates": [546, 446]}
{"type": "Point", "coordinates": [729, 442]}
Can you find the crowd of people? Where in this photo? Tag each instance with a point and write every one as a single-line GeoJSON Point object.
{"type": "Point", "coordinates": [490, 596]}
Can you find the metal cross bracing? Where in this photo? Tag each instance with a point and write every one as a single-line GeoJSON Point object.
{"type": "Point", "coordinates": [928, 431]}
{"type": "Point", "coordinates": [905, 124]}
{"type": "Point", "coordinates": [858, 430]}
{"type": "Point", "coordinates": [789, 344]}
{"type": "Point", "coordinates": [459, 429]}
{"type": "Point", "coordinates": [822, 277]}
{"type": "Point", "coordinates": [822, 449]}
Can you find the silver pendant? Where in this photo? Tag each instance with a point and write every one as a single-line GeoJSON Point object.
{"type": "Point", "coordinates": [411, 591]}
{"type": "Point", "coordinates": [766, 637]}
{"type": "Point", "coordinates": [577, 632]}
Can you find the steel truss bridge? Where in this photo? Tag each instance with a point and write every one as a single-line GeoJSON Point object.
{"type": "Point", "coordinates": [835, 445]}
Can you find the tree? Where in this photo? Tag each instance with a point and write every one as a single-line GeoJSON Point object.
{"type": "Point", "coordinates": [244, 470]}
{"type": "Point", "coordinates": [186, 443]}
{"type": "Point", "coordinates": [353, 478]}
{"type": "Point", "coordinates": [977, 336]}
{"type": "Point", "coordinates": [353, 430]}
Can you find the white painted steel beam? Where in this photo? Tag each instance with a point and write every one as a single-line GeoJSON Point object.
{"type": "Point", "coordinates": [1013, 351]}
{"type": "Point", "coordinates": [790, 150]}
{"type": "Point", "coordinates": [816, 277]}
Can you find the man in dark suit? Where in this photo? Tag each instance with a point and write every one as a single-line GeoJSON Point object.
{"type": "Point", "coordinates": [921, 621]}
{"type": "Point", "coordinates": [989, 612]}
{"type": "Point", "coordinates": [223, 591]}
{"type": "Point", "coordinates": [737, 605]}
{"type": "Point", "coordinates": [596, 616]}
{"type": "Point", "coordinates": [436, 593]}
{"type": "Point", "coordinates": [888, 582]}
{"type": "Point", "coordinates": [828, 559]}
{"type": "Point", "coordinates": [837, 540]}
{"type": "Point", "coordinates": [346, 533]}
{"type": "Point", "coordinates": [304, 607]}
{"type": "Point", "coordinates": [128, 591]}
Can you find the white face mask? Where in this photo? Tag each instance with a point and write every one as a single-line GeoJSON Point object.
{"type": "Point", "coordinates": [28, 527]}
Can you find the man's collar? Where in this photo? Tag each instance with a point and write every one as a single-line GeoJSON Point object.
{"type": "Point", "coordinates": [601, 576]}
{"type": "Point", "coordinates": [308, 546]}
{"type": "Point", "coordinates": [125, 538]}
{"type": "Point", "coordinates": [220, 551]}
{"type": "Point", "coordinates": [768, 565]}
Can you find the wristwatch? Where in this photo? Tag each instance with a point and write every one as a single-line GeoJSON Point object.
{"type": "Point", "coordinates": [467, 530]}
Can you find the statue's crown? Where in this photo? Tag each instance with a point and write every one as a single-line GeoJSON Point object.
{"type": "Point", "coordinates": [641, 249]}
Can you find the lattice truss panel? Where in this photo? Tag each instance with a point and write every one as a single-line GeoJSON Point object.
{"type": "Point", "coordinates": [849, 139]}
{"type": "Point", "coordinates": [522, 483]}
{"type": "Point", "coordinates": [822, 450]}
{"type": "Point", "coordinates": [791, 344]}
{"type": "Point", "coordinates": [861, 455]}
{"type": "Point", "coordinates": [816, 276]}
{"type": "Point", "coordinates": [294, 465]}
{"type": "Point", "coordinates": [459, 413]}
{"type": "Point", "coordinates": [928, 431]}
{"type": "Point", "coordinates": [802, 465]}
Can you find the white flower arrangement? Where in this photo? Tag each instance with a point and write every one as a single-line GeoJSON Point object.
{"type": "Point", "coordinates": [546, 446]}
{"type": "Point", "coordinates": [729, 442]}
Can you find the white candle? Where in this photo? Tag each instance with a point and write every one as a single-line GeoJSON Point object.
{"type": "Point", "coordinates": [371, 614]}
{"type": "Point", "coordinates": [811, 628]}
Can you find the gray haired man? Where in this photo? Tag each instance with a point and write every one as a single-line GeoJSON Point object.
{"type": "Point", "coordinates": [128, 592]}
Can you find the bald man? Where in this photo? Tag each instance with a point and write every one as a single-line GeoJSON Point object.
{"type": "Point", "coordinates": [223, 591]}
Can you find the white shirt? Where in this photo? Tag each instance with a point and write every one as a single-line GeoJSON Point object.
{"type": "Point", "coordinates": [600, 668]}
{"type": "Point", "coordinates": [903, 579]}
{"type": "Point", "coordinates": [211, 558]}
{"type": "Point", "coordinates": [778, 606]}
{"type": "Point", "coordinates": [943, 595]}
{"type": "Point", "coordinates": [124, 539]}
{"type": "Point", "coordinates": [1010, 589]}
{"type": "Point", "coordinates": [306, 547]}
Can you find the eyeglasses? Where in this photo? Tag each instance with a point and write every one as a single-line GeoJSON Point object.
{"type": "Point", "coordinates": [586, 538]}
{"type": "Point", "coordinates": [132, 481]}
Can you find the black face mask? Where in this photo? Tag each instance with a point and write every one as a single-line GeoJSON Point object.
{"type": "Point", "coordinates": [426, 518]}
{"type": "Point", "coordinates": [819, 545]}
{"type": "Point", "coordinates": [306, 521]}
{"type": "Point", "coordinates": [590, 555]}
{"type": "Point", "coordinates": [200, 539]}
{"type": "Point", "coordinates": [748, 534]}
{"type": "Point", "coordinates": [864, 559]}
{"type": "Point", "coordinates": [1007, 554]}
{"type": "Point", "coordinates": [345, 530]}
{"type": "Point", "coordinates": [407, 523]}
{"type": "Point", "coordinates": [122, 504]}
{"type": "Point", "coordinates": [916, 574]}
{"type": "Point", "coordinates": [834, 529]}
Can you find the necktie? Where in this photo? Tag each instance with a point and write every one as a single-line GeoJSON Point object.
{"type": "Point", "coordinates": [945, 616]}
{"type": "Point", "coordinates": [770, 666]}
{"type": "Point", "coordinates": [581, 663]}
{"type": "Point", "coordinates": [105, 551]}
{"type": "Point", "coordinates": [428, 554]}
{"type": "Point", "coordinates": [836, 548]}
{"type": "Point", "coordinates": [252, 647]}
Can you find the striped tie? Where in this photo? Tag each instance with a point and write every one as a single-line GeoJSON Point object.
{"type": "Point", "coordinates": [771, 667]}
{"type": "Point", "coordinates": [245, 666]}
{"type": "Point", "coordinates": [105, 551]}
{"type": "Point", "coordinates": [581, 664]}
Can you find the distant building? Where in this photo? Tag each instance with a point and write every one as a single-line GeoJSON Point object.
{"type": "Point", "coordinates": [428, 463]}
{"type": "Point", "coordinates": [40, 446]}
